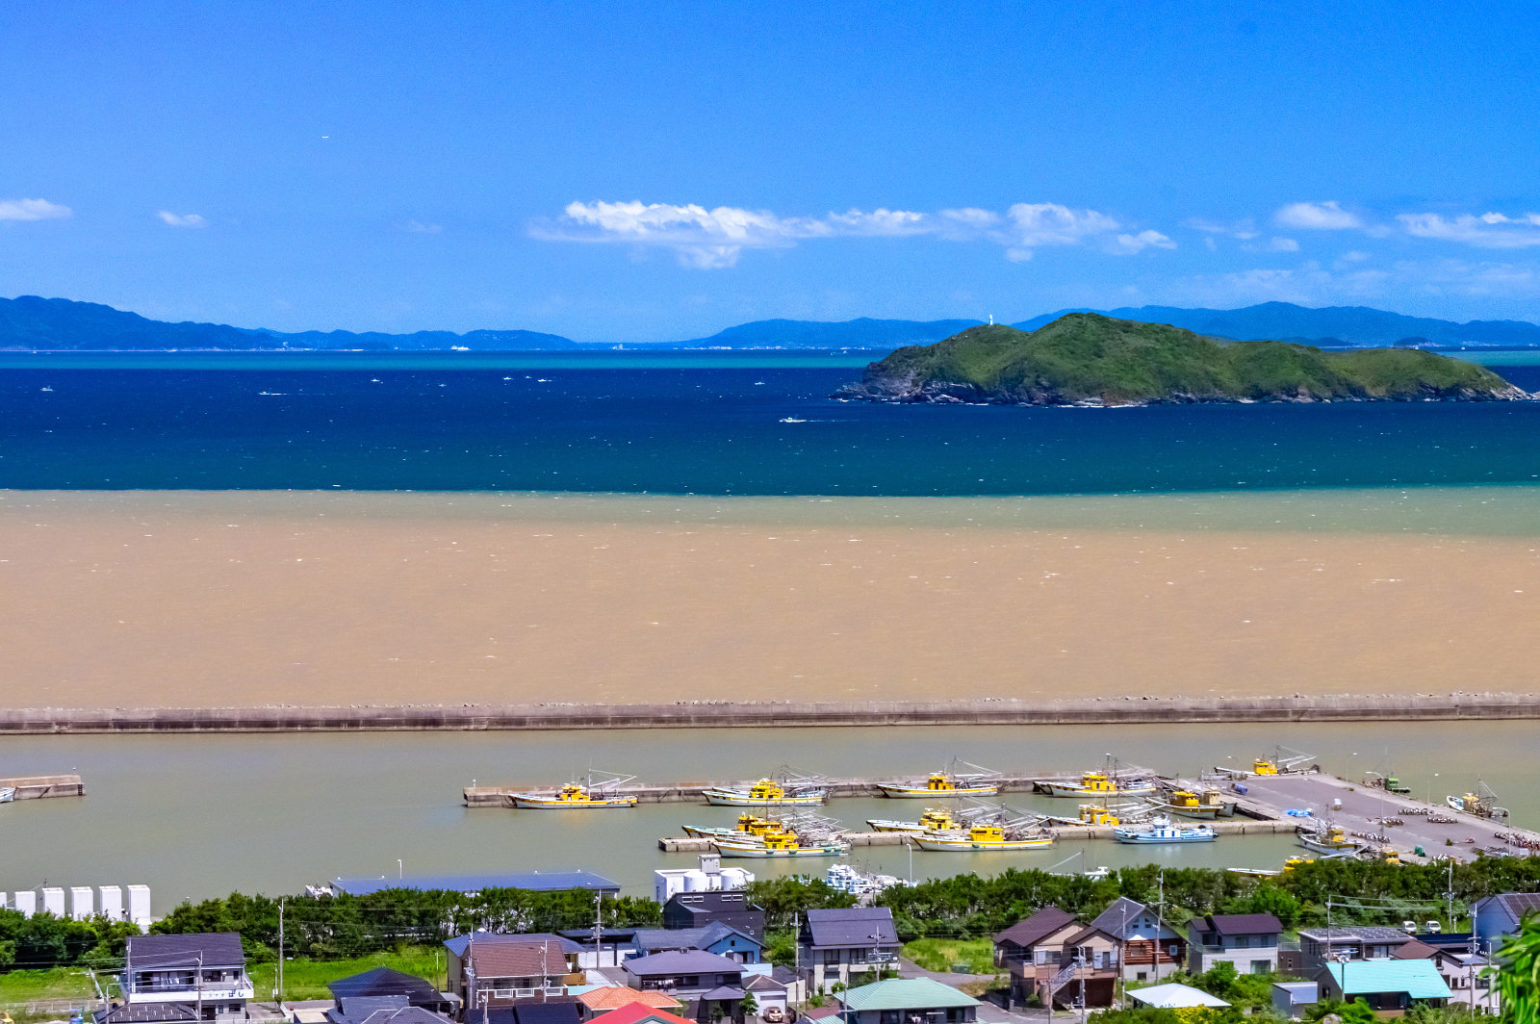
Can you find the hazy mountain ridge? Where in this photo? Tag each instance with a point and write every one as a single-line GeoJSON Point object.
{"type": "Point", "coordinates": [32, 323]}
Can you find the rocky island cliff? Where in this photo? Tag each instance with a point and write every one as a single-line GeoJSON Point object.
{"type": "Point", "coordinates": [1088, 359]}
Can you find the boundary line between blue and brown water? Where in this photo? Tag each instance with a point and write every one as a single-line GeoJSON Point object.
{"type": "Point", "coordinates": [759, 714]}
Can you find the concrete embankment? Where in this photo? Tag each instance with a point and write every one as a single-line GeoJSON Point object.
{"type": "Point", "coordinates": [761, 714]}
{"type": "Point", "coordinates": [44, 787]}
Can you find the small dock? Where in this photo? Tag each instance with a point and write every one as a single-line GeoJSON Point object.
{"type": "Point", "coordinates": [44, 787]}
{"type": "Point", "coordinates": [1380, 819]}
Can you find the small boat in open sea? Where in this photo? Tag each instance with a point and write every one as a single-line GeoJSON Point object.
{"type": "Point", "coordinates": [589, 795]}
{"type": "Point", "coordinates": [766, 791]}
{"type": "Point", "coordinates": [982, 838]}
{"type": "Point", "coordinates": [1161, 830]}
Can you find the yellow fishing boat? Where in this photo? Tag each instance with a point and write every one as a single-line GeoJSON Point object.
{"type": "Point", "coordinates": [1330, 839]}
{"type": "Point", "coordinates": [1208, 804]}
{"type": "Point", "coordinates": [765, 791]}
{"type": "Point", "coordinates": [571, 797]}
{"type": "Point", "coordinates": [942, 784]}
{"type": "Point", "coordinates": [1095, 814]}
{"type": "Point", "coordinates": [980, 839]}
{"type": "Point", "coordinates": [749, 825]}
{"type": "Point", "coordinates": [933, 820]}
{"type": "Point", "coordinates": [1098, 784]}
{"type": "Point", "coordinates": [778, 844]}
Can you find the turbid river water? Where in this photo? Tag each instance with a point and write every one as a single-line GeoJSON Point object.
{"type": "Point", "coordinates": [199, 816]}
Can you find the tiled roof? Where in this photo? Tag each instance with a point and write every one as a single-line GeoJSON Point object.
{"type": "Point", "coordinates": [612, 998]}
{"type": "Point", "coordinates": [1174, 996]}
{"type": "Point", "coordinates": [692, 961]}
{"type": "Point", "coordinates": [1518, 903]}
{"type": "Point", "coordinates": [1362, 933]}
{"type": "Point", "coordinates": [211, 949]}
{"type": "Point", "coordinates": [146, 1013]}
{"type": "Point", "coordinates": [458, 944]}
{"type": "Point", "coordinates": [1244, 924]}
{"type": "Point", "coordinates": [1414, 950]}
{"type": "Point", "coordinates": [639, 1013]}
{"type": "Point", "coordinates": [510, 960]}
{"type": "Point", "coordinates": [1114, 920]}
{"type": "Point", "coordinates": [905, 994]}
{"type": "Point", "coordinates": [1035, 928]}
{"type": "Point", "coordinates": [1419, 979]}
{"type": "Point", "coordinates": [856, 926]}
{"type": "Point", "coordinates": [404, 1015]}
{"type": "Point", "coordinates": [383, 981]}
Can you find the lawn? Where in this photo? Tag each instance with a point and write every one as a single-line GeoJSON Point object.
{"type": "Point", "coordinates": [943, 954]}
{"type": "Point", "coordinates": [306, 979]}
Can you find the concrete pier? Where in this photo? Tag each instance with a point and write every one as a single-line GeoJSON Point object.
{"type": "Point", "coordinates": [690, 844]}
{"type": "Point", "coordinates": [690, 792]}
{"type": "Point", "coordinates": [43, 787]}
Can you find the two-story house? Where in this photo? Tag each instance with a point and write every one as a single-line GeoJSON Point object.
{"type": "Point", "coordinates": [1319, 946]}
{"type": "Point", "coordinates": [1149, 948]}
{"type": "Point", "coordinates": [1249, 941]}
{"type": "Point", "coordinates": [707, 984]}
{"type": "Point", "coordinates": [1058, 960]}
{"type": "Point", "coordinates": [1390, 987]}
{"type": "Point", "coordinates": [458, 949]}
{"type": "Point", "coordinates": [199, 977]}
{"type": "Point", "coordinates": [698, 909]}
{"type": "Point", "coordinates": [500, 974]}
{"type": "Point", "coordinates": [717, 937]}
{"type": "Point", "coordinates": [836, 945]}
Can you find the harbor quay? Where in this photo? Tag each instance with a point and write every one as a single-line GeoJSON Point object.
{"type": "Point", "coordinates": [42, 787]}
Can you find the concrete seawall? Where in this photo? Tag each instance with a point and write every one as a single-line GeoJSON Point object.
{"type": "Point", "coordinates": [726, 714]}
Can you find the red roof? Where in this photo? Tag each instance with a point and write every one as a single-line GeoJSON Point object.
{"type": "Point", "coordinates": [615, 998]}
{"type": "Point", "coordinates": [637, 1013]}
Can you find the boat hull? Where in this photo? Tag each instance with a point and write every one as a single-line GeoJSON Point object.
{"type": "Point", "coordinates": [733, 850]}
{"type": "Point", "coordinates": [1198, 813]}
{"type": "Point", "coordinates": [1067, 789]}
{"type": "Point", "coordinates": [1319, 847]}
{"type": "Point", "coordinates": [912, 828]}
{"type": "Point", "coordinates": [1196, 835]}
{"type": "Point", "coordinates": [940, 845]}
{"type": "Point", "coordinates": [735, 798]}
{"type": "Point", "coordinates": [901, 792]}
{"type": "Point", "coordinates": [534, 802]}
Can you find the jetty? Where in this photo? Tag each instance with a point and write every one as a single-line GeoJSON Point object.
{"type": "Point", "coordinates": [1249, 827]}
{"type": "Point", "coordinates": [44, 787]}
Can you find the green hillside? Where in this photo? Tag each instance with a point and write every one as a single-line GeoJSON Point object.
{"type": "Point", "coordinates": [1091, 359]}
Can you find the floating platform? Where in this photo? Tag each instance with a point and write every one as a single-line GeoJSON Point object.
{"type": "Point", "coordinates": [43, 787]}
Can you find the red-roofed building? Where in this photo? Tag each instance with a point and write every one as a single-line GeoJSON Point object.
{"type": "Point", "coordinates": [641, 1013]}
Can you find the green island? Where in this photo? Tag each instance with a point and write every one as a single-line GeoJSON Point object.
{"type": "Point", "coordinates": [1088, 359]}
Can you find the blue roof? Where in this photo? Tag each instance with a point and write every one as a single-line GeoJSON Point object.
{"type": "Point", "coordinates": [539, 881]}
{"type": "Point", "coordinates": [1419, 979]}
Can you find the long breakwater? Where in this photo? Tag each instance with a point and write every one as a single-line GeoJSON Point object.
{"type": "Point", "coordinates": [761, 714]}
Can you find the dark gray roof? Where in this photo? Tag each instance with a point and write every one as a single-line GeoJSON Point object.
{"type": "Point", "coordinates": [383, 981]}
{"type": "Point", "coordinates": [1035, 928]}
{"type": "Point", "coordinates": [458, 944]}
{"type": "Point", "coordinates": [550, 1011]}
{"type": "Point", "coordinates": [1359, 933]}
{"type": "Point", "coordinates": [688, 938]}
{"type": "Point", "coordinates": [691, 961]}
{"type": "Point", "coordinates": [763, 983]}
{"type": "Point", "coordinates": [211, 949]}
{"type": "Point", "coordinates": [146, 1013]}
{"type": "Point", "coordinates": [1114, 920]}
{"type": "Point", "coordinates": [855, 927]}
{"type": "Point", "coordinates": [404, 1015]}
{"type": "Point", "coordinates": [723, 992]}
{"type": "Point", "coordinates": [1518, 903]}
{"type": "Point", "coordinates": [1243, 924]}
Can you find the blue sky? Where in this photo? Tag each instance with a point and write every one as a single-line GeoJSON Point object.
{"type": "Point", "coordinates": [635, 171]}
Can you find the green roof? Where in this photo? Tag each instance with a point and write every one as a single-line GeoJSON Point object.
{"type": "Point", "coordinates": [1419, 979]}
{"type": "Point", "coordinates": [905, 994]}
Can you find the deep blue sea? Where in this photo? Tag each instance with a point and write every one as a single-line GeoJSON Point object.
{"type": "Point", "coordinates": [727, 424]}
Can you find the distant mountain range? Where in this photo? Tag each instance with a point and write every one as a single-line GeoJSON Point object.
{"type": "Point", "coordinates": [36, 324]}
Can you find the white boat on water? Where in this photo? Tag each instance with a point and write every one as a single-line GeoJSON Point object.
{"type": "Point", "coordinates": [1161, 830]}
{"type": "Point", "coordinates": [933, 820]}
{"type": "Point", "coordinates": [7, 794]}
{"type": "Point", "coordinates": [1330, 839]}
{"type": "Point", "coordinates": [765, 791]}
{"type": "Point", "coordinates": [574, 796]}
{"type": "Point", "coordinates": [981, 839]}
{"type": "Point", "coordinates": [778, 845]}
{"type": "Point", "coordinates": [1103, 785]}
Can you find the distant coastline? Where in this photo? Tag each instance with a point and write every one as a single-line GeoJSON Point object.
{"type": "Point", "coordinates": [765, 714]}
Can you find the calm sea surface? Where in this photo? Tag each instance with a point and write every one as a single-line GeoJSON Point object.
{"type": "Point", "coordinates": [727, 424]}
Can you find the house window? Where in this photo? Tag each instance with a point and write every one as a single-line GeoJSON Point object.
{"type": "Point", "coordinates": [1260, 966]}
{"type": "Point", "coordinates": [831, 957]}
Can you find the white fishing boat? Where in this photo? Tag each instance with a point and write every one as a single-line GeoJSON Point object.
{"type": "Point", "coordinates": [947, 782]}
{"type": "Point", "coordinates": [983, 838]}
{"type": "Point", "coordinates": [1329, 839]}
{"type": "Point", "coordinates": [1162, 830]}
{"type": "Point", "coordinates": [765, 792]}
{"type": "Point", "coordinates": [574, 796]}
{"type": "Point", "coordinates": [933, 820]}
{"type": "Point", "coordinates": [7, 794]}
{"type": "Point", "coordinates": [1103, 785]}
{"type": "Point", "coordinates": [779, 844]}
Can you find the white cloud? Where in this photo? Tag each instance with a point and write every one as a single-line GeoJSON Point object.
{"type": "Point", "coordinates": [713, 238]}
{"type": "Point", "coordinates": [1245, 229]}
{"type": "Point", "coordinates": [1327, 216]}
{"type": "Point", "coordinates": [1282, 245]}
{"type": "Point", "coordinates": [418, 227]}
{"type": "Point", "coordinates": [1143, 240]}
{"type": "Point", "coordinates": [182, 220]}
{"type": "Point", "coordinates": [32, 209]}
{"type": "Point", "coordinates": [1488, 231]}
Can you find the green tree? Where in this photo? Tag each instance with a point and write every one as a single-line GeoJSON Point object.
{"type": "Point", "coordinates": [1518, 973]}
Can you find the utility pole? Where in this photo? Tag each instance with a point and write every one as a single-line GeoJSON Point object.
{"type": "Point", "coordinates": [599, 928]}
{"type": "Point", "coordinates": [280, 953]}
{"type": "Point", "coordinates": [1160, 913]}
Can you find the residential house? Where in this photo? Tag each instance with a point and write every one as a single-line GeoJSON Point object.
{"type": "Point", "coordinates": [640, 1013]}
{"type": "Point", "coordinates": [777, 989]}
{"type": "Point", "coordinates": [716, 937]}
{"type": "Point", "coordinates": [908, 1001]}
{"type": "Point", "coordinates": [707, 984]}
{"type": "Point", "coordinates": [1175, 996]}
{"type": "Point", "coordinates": [698, 909]}
{"type": "Point", "coordinates": [597, 1001]}
{"type": "Point", "coordinates": [383, 982]}
{"type": "Point", "coordinates": [1150, 947]}
{"type": "Point", "coordinates": [1290, 998]}
{"type": "Point", "coordinates": [1249, 941]}
{"type": "Point", "coordinates": [380, 1010]}
{"type": "Point", "coordinates": [500, 974]}
{"type": "Point", "coordinates": [1054, 957]}
{"type": "Point", "coordinates": [1497, 917]}
{"type": "Point", "coordinates": [198, 977]}
{"type": "Point", "coordinates": [1388, 986]}
{"type": "Point", "coordinates": [557, 1010]}
{"type": "Point", "coordinates": [837, 945]}
{"type": "Point", "coordinates": [1465, 974]}
{"type": "Point", "coordinates": [1318, 946]}
{"type": "Point", "coordinates": [457, 948]}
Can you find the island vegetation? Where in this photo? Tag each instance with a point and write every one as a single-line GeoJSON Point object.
{"type": "Point", "coordinates": [1088, 359]}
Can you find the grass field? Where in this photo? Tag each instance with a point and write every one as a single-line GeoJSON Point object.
{"type": "Point", "coordinates": [943, 954]}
